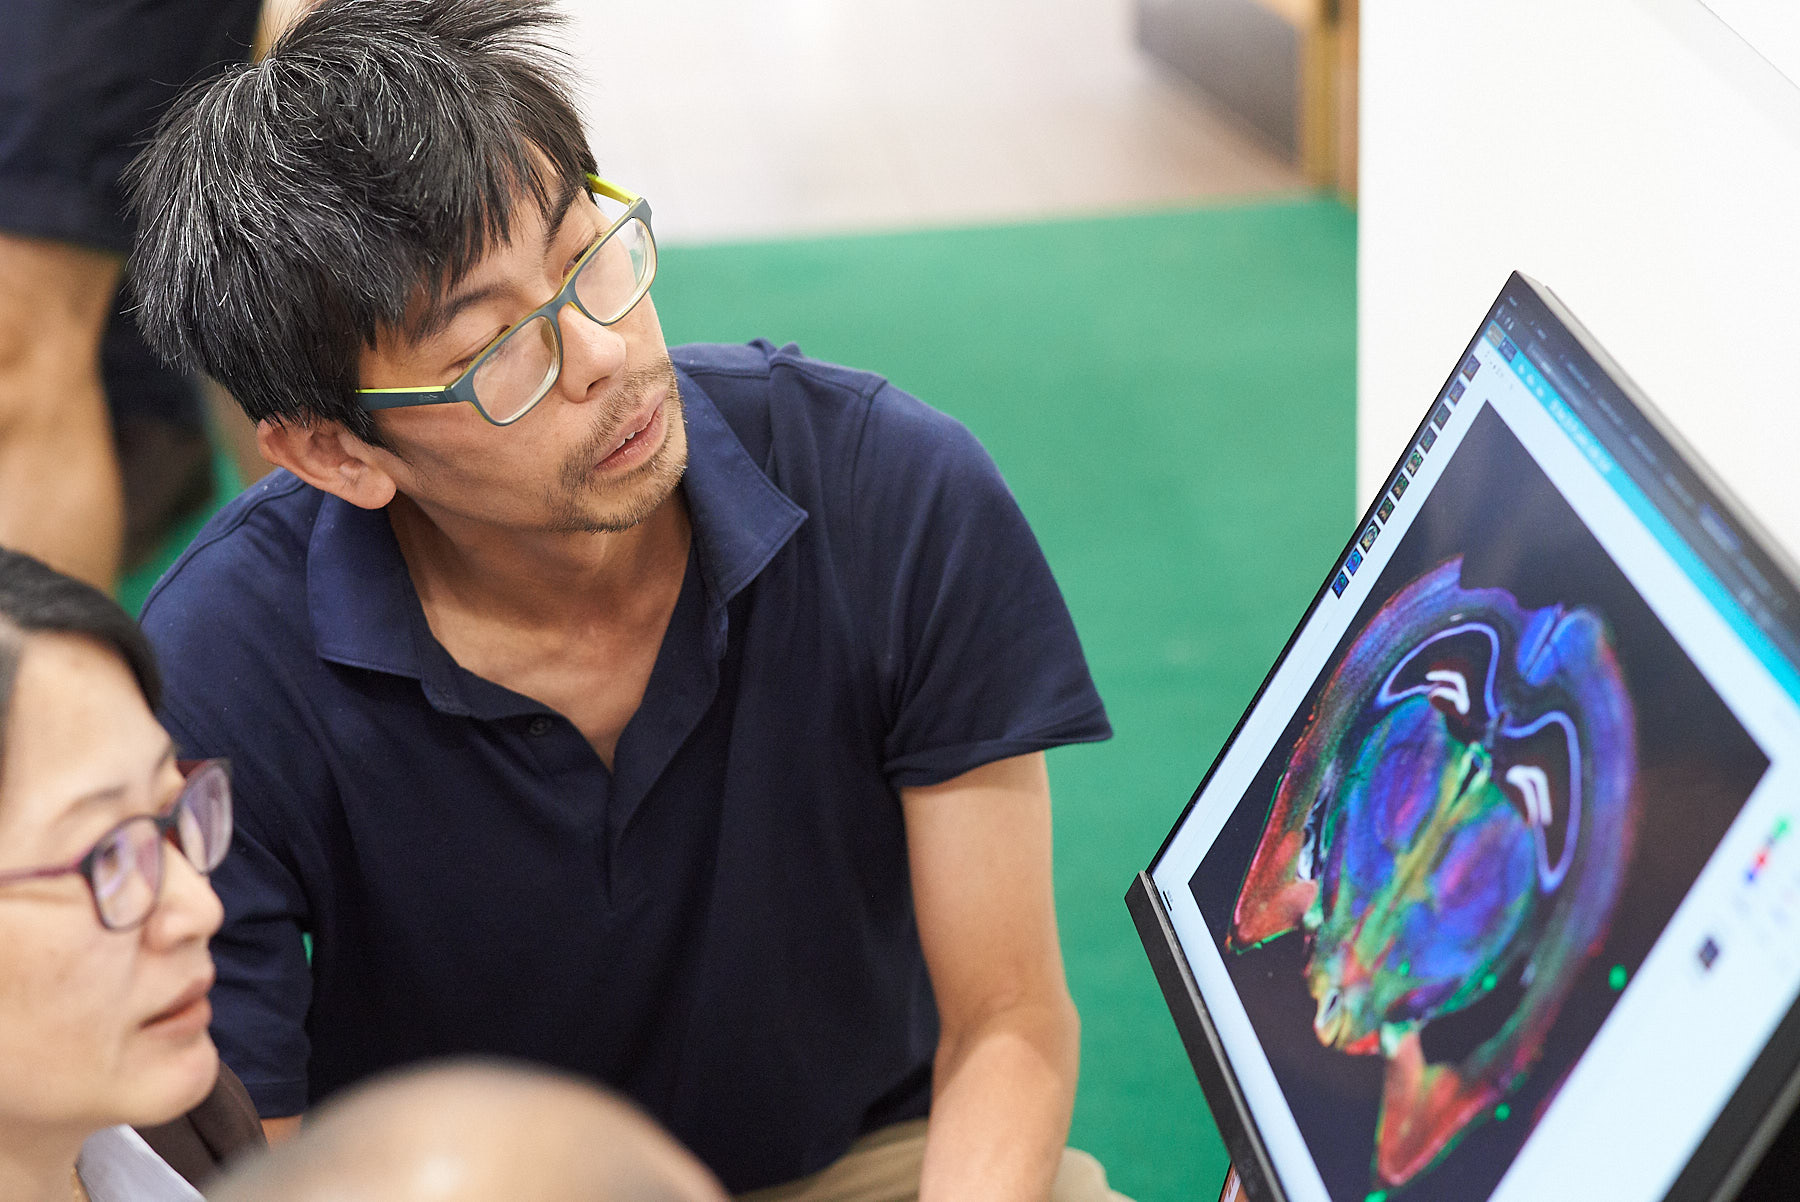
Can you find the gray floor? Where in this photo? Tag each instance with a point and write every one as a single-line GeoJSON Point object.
{"type": "Point", "coordinates": [762, 118]}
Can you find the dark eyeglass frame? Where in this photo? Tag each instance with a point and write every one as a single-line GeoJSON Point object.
{"type": "Point", "coordinates": [462, 389]}
{"type": "Point", "coordinates": [167, 825]}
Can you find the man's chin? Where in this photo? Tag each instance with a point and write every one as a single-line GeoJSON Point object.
{"type": "Point", "coordinates": [649, 487]}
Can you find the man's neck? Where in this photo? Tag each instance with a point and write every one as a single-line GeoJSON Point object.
{"type": "Point", "coordinates": [535, 579]}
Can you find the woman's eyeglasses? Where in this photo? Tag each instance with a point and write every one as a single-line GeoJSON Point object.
{"type": "Point", "coordinates": [124, 867]}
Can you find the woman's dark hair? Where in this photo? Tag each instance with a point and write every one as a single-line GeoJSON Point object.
{"type": "Point", "coordinates": [293, 209]}
{"type": "Point", "coordinates": [38, 599]}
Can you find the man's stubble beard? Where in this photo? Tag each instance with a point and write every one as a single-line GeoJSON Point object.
{"type": "Point", "coordinates": [573, 505]}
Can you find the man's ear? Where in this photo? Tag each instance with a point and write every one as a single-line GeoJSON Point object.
{"type": "Point", "coordinates": [329, 458]}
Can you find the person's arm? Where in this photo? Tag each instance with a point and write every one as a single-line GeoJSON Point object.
{"type": "Point", "coordinates": [277, 1130]}
{"type": "Point", "coordinates": [263, 988]}
{"type": "Point", "coordinates": [1003, 1082]}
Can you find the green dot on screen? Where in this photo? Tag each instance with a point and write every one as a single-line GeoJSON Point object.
{"type": "Point", "coordinates": [1616, 978]}
{"type": "Point", "coordinates": [1379, 1195]}
{"type": "Point", "coordinates": [1489, 981]}
{"type": "Point", "coordinates": [1503, 1112]}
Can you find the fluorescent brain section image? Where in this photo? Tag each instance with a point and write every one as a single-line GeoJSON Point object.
{"type": "Point", "coordinates": [1451, 831]}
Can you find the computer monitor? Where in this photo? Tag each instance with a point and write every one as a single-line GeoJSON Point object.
{"type": "Point", "coordinates": [1494, 891]}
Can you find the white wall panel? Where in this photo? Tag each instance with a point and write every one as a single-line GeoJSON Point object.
{"type": "Point", "coordinates": [1634, 155]}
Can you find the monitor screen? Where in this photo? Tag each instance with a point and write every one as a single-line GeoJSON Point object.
{"type": "Point", "coordinates": [1495, 890]}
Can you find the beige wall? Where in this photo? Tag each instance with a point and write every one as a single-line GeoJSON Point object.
{"type": "Point", "coordinates": [1635, 156]}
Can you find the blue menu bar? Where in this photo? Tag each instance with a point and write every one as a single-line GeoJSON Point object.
{"type": "Point", "coordinates": [1684, 555]}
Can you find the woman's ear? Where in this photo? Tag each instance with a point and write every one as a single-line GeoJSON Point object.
{"type": "Point", "coordinates": [329, 458]}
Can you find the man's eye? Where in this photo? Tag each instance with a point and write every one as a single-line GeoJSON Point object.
{"type": "Point", "coordinates": [461, 365]}
{"type": "Point", "coordinates": [586, 248]}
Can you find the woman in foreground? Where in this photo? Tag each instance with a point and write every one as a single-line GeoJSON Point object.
{"type": "Point", "coordinates": [105, 910]}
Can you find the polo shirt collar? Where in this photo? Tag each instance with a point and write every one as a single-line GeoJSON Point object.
{"type": "Point", "coordinates": [741, 518]}
{"type": "Point", "coordinates": [365, 613]}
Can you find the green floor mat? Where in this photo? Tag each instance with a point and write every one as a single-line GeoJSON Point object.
{"type": "Point", "coordinates": [1171, 397]}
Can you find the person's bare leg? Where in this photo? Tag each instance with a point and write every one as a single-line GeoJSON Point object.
{"type": "Point", "coordinates": [60, 494]}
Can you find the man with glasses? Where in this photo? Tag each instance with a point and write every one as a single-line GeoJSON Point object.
{"type": "Point", "coordinates": [672, 718]}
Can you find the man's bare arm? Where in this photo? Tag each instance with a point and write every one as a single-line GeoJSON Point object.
{"type": "Point", "coordinates": [1009, 1050]}
{"type": "Point", "coordinates": [276, 1130]}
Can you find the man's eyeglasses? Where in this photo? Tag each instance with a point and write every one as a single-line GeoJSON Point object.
{"type": "Point", "coordinates": [518, 369]}
{"type": "Point", "coordinates": [124, 869]}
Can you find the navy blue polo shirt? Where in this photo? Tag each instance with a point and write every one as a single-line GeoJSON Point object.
{"type": "Point", "coordinates": [721, 926]}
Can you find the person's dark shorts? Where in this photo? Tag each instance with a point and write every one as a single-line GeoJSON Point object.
{"type": "Point", "coordinates": [82, 83]}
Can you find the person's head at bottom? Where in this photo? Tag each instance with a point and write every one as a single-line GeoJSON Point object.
{"type": "Point", "coordinates": [104, 968]}
{"type": "Point", "coordinates": [472, 1131]}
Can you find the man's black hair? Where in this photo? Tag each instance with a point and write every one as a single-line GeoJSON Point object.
{"type": "Point", "coordinates": [37, 599]}
{"type": "Point", "coordinates": [295, 208]}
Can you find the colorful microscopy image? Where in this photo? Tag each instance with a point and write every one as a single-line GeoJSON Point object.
{"type": "Point", "coordinates": [1451, 864]}
{"type": "Point", "coordinates": [1385, 510]}
{"type": "Point", "coordinates": [1458, 812]}
{"type": "Point", "coordinates": [1414, 462]}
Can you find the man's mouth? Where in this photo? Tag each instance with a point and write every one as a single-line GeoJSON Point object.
{"type": "Point", "coordinates": [636, 428]}
{"type": "Point", "coordinates": [632, 443]}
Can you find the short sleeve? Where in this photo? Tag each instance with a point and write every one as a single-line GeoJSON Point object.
{"type": "Point", "coordinates": [264, 982]}
{"type": "Point", "coordinates": [975, 652]}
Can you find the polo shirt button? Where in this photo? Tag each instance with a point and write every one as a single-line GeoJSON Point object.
{"type": "Point", "coordinates": [540, 726]}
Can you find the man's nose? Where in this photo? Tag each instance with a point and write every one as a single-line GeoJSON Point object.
{"type": "Point", "coordinates": [592, 352]}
